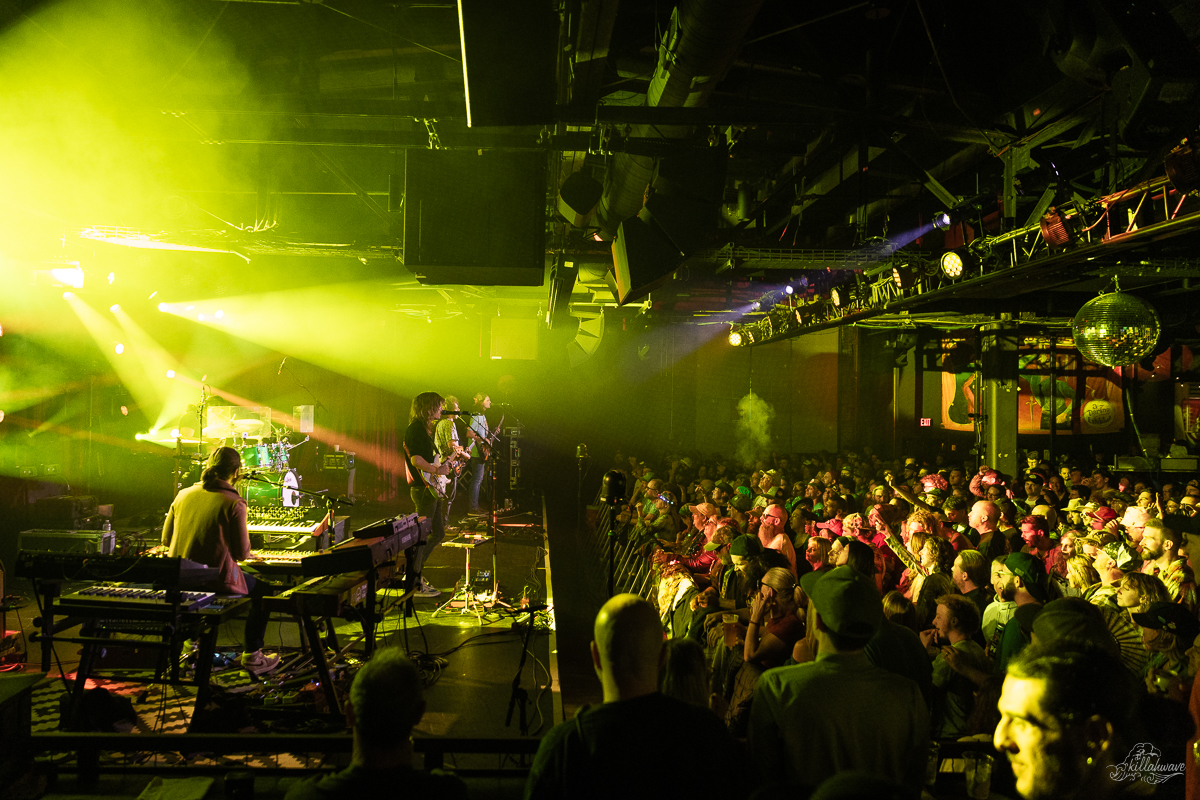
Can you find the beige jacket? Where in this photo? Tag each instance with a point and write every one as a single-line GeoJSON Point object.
{"type": "Point", "coordinates": [208, 525]}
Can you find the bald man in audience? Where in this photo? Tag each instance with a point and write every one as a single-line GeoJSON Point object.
{"type": "Point", "coordinates": [632, 745]}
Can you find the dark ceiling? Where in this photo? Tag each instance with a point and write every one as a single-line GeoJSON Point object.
{"type": "Point", "coordinates": [847, 126]}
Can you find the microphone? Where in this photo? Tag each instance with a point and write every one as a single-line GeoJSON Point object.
{"type": "Point", "coordinates": [454, 413]}
{"type": "Point", "coordinates": [280, 370]}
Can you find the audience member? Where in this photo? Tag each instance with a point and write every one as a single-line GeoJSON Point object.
{"type": "Point", "coordinates": [384, 705]}
{"type": "Point", "coordinates": [618, 748]}
{"type": "Point", "coordinates": [878, 722]}
{"type": "Point", "coordinates": [954, 625]}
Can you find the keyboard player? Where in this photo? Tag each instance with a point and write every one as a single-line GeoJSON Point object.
{"type": "Point", "coordinates": [207, 523]}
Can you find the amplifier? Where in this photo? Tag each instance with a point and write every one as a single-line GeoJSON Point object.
{"type": "Point", "coordinates": [340, 461]}
{"type": "Point", "coordinates": [98, 542]}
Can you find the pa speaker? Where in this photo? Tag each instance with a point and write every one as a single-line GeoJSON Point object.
{"type": "Point", "coordinates": [475, 217]}
{"type": "Point", "coordinates": [578, 197]}
{"type": "Point", "coordinates": [643, 259]}
{"type": "Point", "coordinates": [509, 55]}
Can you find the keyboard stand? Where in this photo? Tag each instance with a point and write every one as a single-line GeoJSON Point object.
{"type": "Point", "coordinates": [464, 599]}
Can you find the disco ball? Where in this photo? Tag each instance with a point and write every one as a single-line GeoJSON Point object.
{"type": "Point", "coordinates": [1115, 329]}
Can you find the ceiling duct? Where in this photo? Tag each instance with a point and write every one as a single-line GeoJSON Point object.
{"type": "Point", "coordinates": [695, 52]}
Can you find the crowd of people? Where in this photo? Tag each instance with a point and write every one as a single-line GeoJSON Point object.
{"type": "Point", "coordinates": [839, 612]}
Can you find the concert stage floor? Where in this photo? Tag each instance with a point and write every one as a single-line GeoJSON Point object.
{"type": "Point", "coordinates": [470, 663]}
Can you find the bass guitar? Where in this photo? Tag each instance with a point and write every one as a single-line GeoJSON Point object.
{"type": "Point", "coordinates": [486, 444]}
{"type": "Point", "coordinates": [440, 483]}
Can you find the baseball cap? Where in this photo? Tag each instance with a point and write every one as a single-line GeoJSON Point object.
{"type": "Point", "coordinates": [1098, 539]}
{"type": "Point", "coordinates": [1127, 560]}
{"type": "Point", "coordinates": [1101, 517]}
{"type": "Point", "coordinates": [1074, 619]}
{"type": "Point", "coordinates": [1032, 572]}
{"type": "Point", "coordinates": [1172, 618]}
{"type": "Point", "coordinates": [849, 604]}
{"type": "Point", "coordinates": [707, 509]}
{"type": "Point", "coordinates": [1075, 504]}
{"type": "Point", "coordinates": [746, 545]}
{"type": "Point", "coordinates": [724, 487]}
{"type": "Point", "coordinates": [1135, 517]}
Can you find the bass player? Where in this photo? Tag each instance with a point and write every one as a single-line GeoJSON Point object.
{"type": "Point", "coordinates": [423, 466]}
{"type": "Point", "coordinates": [445, 443]}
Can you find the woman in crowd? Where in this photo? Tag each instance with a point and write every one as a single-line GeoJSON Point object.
{"type": "Point", "coordinates": [774, 627]}
{"type": "Point", "coordinates": [1136, 592]}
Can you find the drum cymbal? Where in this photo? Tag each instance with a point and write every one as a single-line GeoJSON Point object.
{"type": "Point", "coordinates": [248, 424]}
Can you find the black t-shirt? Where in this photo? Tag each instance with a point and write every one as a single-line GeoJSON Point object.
{"type": "Point", "coordinates": [417, 442]}
{"type": "Point", "coordinates": [361, 783]}
{"type": "Point", "coordinates": [644, 747]}
{"type": "Point", "coordinates": [897, 649]}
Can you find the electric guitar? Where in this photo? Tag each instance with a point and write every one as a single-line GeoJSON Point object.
{"type": "Point", "coordinates": [439, 483]}
{"type": "Point", "coordinates": [485, 445]}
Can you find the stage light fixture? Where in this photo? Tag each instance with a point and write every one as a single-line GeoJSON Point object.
{"type": "Point", "coordinates": [1183, 168]}
{"type": "Point", "coordinates": [788, 289]}
{"type": "Point", "coordinates": [124, 411]}
{"type": "Point", "coordinates": [1054, 229]}
{"type": "Point", "coordinates": [200, 317]}
{"type": "Point", "coordinates": [735, 338]}
{"type": "Point", "coordinates": [115, 307]}
{"type": "Point", "coordinates": [841, 296]}
{"type": "Point", "coordinates": [941, 220]}
{"type": "Point", "coordinates": [112, 276]}
{"type": "Point", "coordinates": [162, 307]}
{"type": "Point", "coordinates": [219, 314]}
{"type": "Point", "coordinates": [68, 295]}
{"type": "Point", "coordinates": [756, 305]}
{"type": "Point", "coordinates": [951, 263]}
{"type": "Point", "coordinates": [174, 433]}
{"type": "Point", "coordinates": [904, 276]}
{"type": "Point", "coordinates": [170, 373]}
{"type": "Point", "coordinates": [118, 348]}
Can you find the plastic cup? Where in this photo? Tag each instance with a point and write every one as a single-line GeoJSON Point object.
{"type": "Point", "coordinates": [978, 774]}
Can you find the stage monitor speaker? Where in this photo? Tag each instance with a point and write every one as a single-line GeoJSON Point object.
{"type": "Point", "coordinates": [643, 259]}
{"type": "Point", "coordinates": [578, 198]}
{"type": "Point", "coordinates": [514, 338]}
{"type": "Point", "coordinates": [509, 56]}
{"type": "Point", "coordinates": [475, 217]}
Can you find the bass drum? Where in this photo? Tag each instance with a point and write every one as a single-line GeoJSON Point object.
{"type": "Point", "coordinates": [259, 493]}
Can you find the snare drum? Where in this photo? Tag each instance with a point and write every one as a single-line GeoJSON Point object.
{"type": "Point", "coordinates": [258, 493]}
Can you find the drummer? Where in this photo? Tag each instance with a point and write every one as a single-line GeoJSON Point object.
{"type": "Point", "coordinates": [207, 523]}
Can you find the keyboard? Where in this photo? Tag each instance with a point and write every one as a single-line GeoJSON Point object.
{"type": "Point", "coordinates": [278, 519]}
{"type": "Point", "coordinates": [118, 595]}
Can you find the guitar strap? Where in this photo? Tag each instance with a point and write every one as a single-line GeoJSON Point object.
{"type": "Point", "coordinates": [408, 472]}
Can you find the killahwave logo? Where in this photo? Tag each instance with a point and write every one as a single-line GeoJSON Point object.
{"type": "Point", "coordinates": [1144, 762]}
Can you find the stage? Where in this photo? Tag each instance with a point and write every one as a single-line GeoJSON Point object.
{"type": "Point", "coordinates": [469, 659]}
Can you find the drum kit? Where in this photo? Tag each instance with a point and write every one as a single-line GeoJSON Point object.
{"type": "Point", "coordinates": [265, 449]}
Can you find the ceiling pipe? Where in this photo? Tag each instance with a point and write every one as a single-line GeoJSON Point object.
{"type": "Point", "coordinates": [695, 52]}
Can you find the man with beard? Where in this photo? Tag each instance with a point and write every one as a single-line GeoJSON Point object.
{"type": "Point", "coordinates": [954, 625]}
{"type": "Point", "coordinates": [1160, 551]}
{"type": "Point", "coordinates": [1035, 532]}
{"type": "Point", "coordinates": [1066, 723]}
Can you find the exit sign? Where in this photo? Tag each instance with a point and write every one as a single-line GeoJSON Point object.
{"type": "Point", "coordinates": [926, 422]}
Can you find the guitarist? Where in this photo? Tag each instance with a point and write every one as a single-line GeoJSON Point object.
{"type": "Point", "coordinates": [422, 466]}
{"type": "Point", "coordinates": [477, 433]}
{"type": "Point", "coordinates": [445, 443]}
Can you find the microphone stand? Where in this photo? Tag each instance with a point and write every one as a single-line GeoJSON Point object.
{"type": "Point", "coordinates": [519, 696]}
{"type": "Point", "coordinates": [329, 501]}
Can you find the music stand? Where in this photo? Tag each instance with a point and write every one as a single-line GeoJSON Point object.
{"type": "Point", "coordinates": [465, 598]}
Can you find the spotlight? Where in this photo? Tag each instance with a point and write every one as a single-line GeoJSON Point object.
{"type": "Point", "coordinates": [190, 308]}
{"type": "Point", "coordinates": [842, 296]}
{"type": "Point", "coordinates": [112, 276]}
{"type": "Point", "coordinates": [68, 295]}
{"type": "Point", "coordinates": [170, 373]}
{"type": "Point", "coordinates": [219, 314]}
{"type": "Point", "coordinates": [788, 289]}
{"type": "Point", "coordinates": [115, 307]}
{"type": "Point", "coordinates": [200, 317]}
{"type": "Point", "coordinates": [124, 411]}
{"type": "Point", "coordinates": [941, 220]}
{"type": "Point", "coordinates": [119, 348]}
{"type": "Point", "coordinates": [756, 306]}
{"type": "Point", "coordinates": [904, 276]}
{"type": "Point", "coordinates": [735, 338]}
{"type": "Point", "coordinates": [1054, 229]}
{"type": "Point", "coordinates": [952, 264]}
{"type": "Point", "coordinates": [162, 307]}
{"type": "Point", "coordinates": [1183, 168]}
{"type": "Point", "coordinates": [174, 433]}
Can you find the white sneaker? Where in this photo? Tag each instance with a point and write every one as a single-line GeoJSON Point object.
{"type": "Point", "coordinates": [426, 589]}
{"type": "Point", "coordinates": [258, 664]}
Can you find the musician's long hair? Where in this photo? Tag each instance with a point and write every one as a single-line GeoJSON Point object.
{"type": "Point", "coordinates": [222, 464]}
{"type": "Point", "coordinates": [423, 406]}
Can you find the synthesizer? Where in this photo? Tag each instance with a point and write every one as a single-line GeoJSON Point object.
{"type": "Point", "coordinates": [120, 596]}
{"type": "Point", "coordinates": [272, 519]}
{"type": "Point", "coordinates": [163, 571]}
